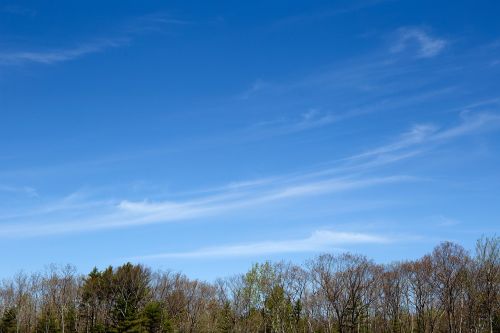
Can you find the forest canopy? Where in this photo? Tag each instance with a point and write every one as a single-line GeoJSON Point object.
{"type": "Point", "coordinates": [448, 290]}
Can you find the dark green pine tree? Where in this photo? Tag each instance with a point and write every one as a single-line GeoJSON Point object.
{"type": "Point", "coordinates": [152, 318]}
{"type": "Point", "coordinates": [47, 323]}
{"type": "Point", "coordinates": [129, 289]}
{"type": "Point", "coordinates": [71, 321]}
{"type": "Point", "coordinates": [225, 323]}
{"type": "Point", "coordinates": [9, 321]}
{"type": "Point", "coordinates": [128, 320]}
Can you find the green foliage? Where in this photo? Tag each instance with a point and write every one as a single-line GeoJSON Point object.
{"type": "Point", "coordinates": [8, 322]}
{"type": "Point", "coordinates": [167, 326]}
{"type": "Point", "coordinates": [258, 283]}
{"type": "Point", "coordinates": [225, 321]}
{"type": "Point", "coordinates": [152, 318]}
{"type": "Point", "coordinates": [279, 310]}
{"type": "Point", "coordinates": [48, 323]}
{"type": "Point", "coordinates": [70, 321]}
{"type": "Point", "coordinates": [129, 289]}
{"type": "Point", "coordinates": [266, 298]}
{"type": "Point", "coordinates": [123, 292]}
{"type": "Point", "coordinates": [344, 293]}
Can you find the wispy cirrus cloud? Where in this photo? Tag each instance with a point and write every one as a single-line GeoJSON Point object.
{"type": "Point", "coordinates": [80, 213]}
{"type": "Point", "coordinates": [317, 117]}
{"type": "Point", "coordinates": [368, 73]}
{"type": "Point", "coordinates": [286, 188]}
{"type": "Point", "coordinates": [444, 221]}
{"type": "Point", "coordinates": [49, 57]}
{"type": "Point", "coordinates": [27, 190]}
{"type": "Point", "coordinates": [311, 119]}
{"type": "Point", "coordinates": [429, 135]}
{"type": "Point", "coordinates": [318, 241]}
{"type": "Point", "coordinates": [97, 215]}
{"type": "Point", "coordinates": [427, 46]}
{"type": "Point", "coordinates": [352, 6]}
{"type": "Point", "coordinates": [153, 21]}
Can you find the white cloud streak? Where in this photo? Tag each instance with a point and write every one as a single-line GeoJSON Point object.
{"type": "Point", "coordinates": [49, 57]}
{"type": "Point", "coordinates": [78, 213]}
{"type": "Point", "coordinates": [27, 190]}
{"type": "Point", "coordinates": [429, 135]}
{"type": "Point", "coordinates": [216, 204]}
{"type": "Point", "coordinates": [318, 241]}
{"type": "Point", "coordinates": [428, 46]}
{"type": "Point", "coordinates": [89, 216]}
{"type": "Point", "coordinates": [147, 23]}
{"type": "Point", "coordinates": [311, 119]}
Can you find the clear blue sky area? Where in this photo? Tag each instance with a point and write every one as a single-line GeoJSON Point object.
{"type": "Point", "coordinates": [204, 136]}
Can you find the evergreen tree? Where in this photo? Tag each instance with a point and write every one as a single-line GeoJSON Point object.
{"type": "Point", "coordinates": [48, 323]}
{"type": "Point", "coordinates": [9, 321]}
{"type": "Point", "coordinates": [129, 291]}
{"type": "Point", "coordinates": [152, 318]}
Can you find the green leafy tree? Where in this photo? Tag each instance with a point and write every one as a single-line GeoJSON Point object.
{"type": "Point", "coordinates": [225, 323]}
{"type": "Point", "coordinates": [48, 323]}
{"type": "Point", "coordinates": [71, 321]}
{"type": "Point", "coordinates": [279, 310]}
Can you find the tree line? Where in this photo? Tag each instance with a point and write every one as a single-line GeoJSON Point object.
{"type": "Point", "coordinates": [448, 290]}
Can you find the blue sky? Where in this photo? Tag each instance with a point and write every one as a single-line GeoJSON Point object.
{"type": "Point", "coordinates": [203, 137]}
